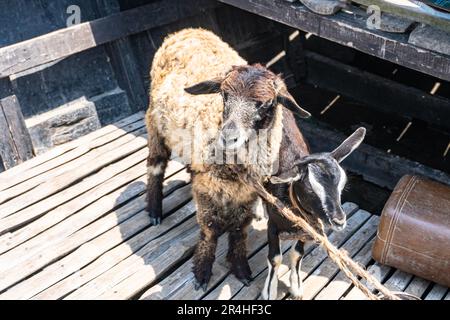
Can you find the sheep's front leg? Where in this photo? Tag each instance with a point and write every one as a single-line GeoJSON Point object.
{"type": "Point", "coordinates": [296, 255]}
{"type": "Point", "coordinates": [211, 227]}
{"type": "Point", "coordinates": [204, 257]}
{"type": "Point", "coordinates": [156, 166]}
{"type": "Point", "coordinates": [270, 291]}
{"type": "Point", "coordinates": [237, 253]}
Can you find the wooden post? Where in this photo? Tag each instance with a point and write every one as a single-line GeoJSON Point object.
{"type": "Point", "coordinates": [15, 142]}
{"type": "Point", "coordinates": [127, 71]}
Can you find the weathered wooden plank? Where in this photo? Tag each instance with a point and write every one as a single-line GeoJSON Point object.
{"type": "Point", "coordinates": [17, 127]}
{"type": "Point", "coordinates": [398, 281]}
{"type": "Point", "coordinates": [74, 171]}
{"type": "Point", "coordinates": [350, 30]}
{"type": "Point", "coordinates": [379, 271]}
{"type": "Point", "coordinates": [111, 258]}
{"type": "Point", "coordinates": [127, 71]}
{"type": "Point", "coordinates": [67, 201]}
{"type": "Point", "coordinates": [87, 214]}
{"type": "Point", "coordinates": [63, 124]}
{"type": "Point", "coordinates": [180, 284]}
{"type": "Point", "coordinates": [372, 164]}
{"type": "Point", "coordinates": [17, 171]}
{"type": "Point", "coordinates": [34, 176]}
{"type": "Point", "coordinates": [309, 263]}
{"type": "Point", "coordinates": [377, 92]}
{"type": "Point", "coordinates": [8, 152]}
{"type": "Point", "coordinates": [65, 42]}
{"type": "Point", "coordinates": [119, 174]}
{"type": "Point", "coordinates": [91, 250]}
{"type": "Point", "coordinates": [430, 38]}
{"type": "Point", "coordinates": [416, 11]}
{"type": "Point", "coordinates": [437, 292]}
{"type": "Point", "coordinates": [313, 283]}
{"type": "Point", "coordinates": [231, 286]}
{"type": "Point", "coordinates": [144, 267]}
{"type": "Point", "coordinates": [417, 286]}
{"type": "Point", "coordinates": [67, 242]}
{"type": "Point", "coordinates": [340, 284]}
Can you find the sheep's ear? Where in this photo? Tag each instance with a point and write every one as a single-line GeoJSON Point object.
{"type": "Point", "coordinates": [289, 102]}
{"type": "Point", "coordinates": [350, 144]}
{"type": "Point", "coordinates": [205, 87]}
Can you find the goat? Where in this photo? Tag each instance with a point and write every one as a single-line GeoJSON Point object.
{"type": "Point", "coordinates": [318, 181]}
{"type": "Point", "coordinates": [202, 89]}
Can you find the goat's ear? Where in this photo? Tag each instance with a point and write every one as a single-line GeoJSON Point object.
{"type": "Point", "coordinates": [349, 145]}
{"type": "Point", "coordinates": [292, 174]}
{"type": "Point", "coordinates": [286, 177]}
{"type": "Point", "coordinates": [205, 87]}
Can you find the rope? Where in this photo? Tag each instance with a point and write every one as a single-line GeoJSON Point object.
{"type": "Point", "coordinates": [343, 261]}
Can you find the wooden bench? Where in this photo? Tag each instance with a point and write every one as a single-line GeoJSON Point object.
{"type": "Point", "coordinates": [73, 226]}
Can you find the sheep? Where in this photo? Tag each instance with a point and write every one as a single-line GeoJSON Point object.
{"type": "Point", "coordinates": [318, 181]}
{"type": "Point", "coordinates": [206, 103]}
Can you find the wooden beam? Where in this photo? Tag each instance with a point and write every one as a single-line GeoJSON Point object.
{"type": "Point", "coordinates": [372, 164]}
{"type": "Point", "coordinates": [375, 91]}
{"type": "Point", "coordinates": [123, 61]}
{"type": "Point", "coordinates": [351, 31]}
{"type": "Point", "coordinates": [15, 141]}
{"type": "Point", "coordinates": [8, 154]}
{"type": "Point", "coordinates": [415, 11]}
{"type": "Point", "coordinates": [17, 127]}
{"type": "Point", "coordinates": [65, 42]}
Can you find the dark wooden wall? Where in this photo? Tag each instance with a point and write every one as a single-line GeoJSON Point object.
{"type": "Point", "coordinates": [98, 86]}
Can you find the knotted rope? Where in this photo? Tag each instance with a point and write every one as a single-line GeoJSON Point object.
{"type": "Point", "coordinates": [343, 261]}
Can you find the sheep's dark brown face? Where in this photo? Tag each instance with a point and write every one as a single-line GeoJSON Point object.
{"type": "Point", "coordinates": [250, 96]}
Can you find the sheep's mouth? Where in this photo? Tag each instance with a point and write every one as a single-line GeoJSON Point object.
{"type": "Point", "coordinates": [233, 147]}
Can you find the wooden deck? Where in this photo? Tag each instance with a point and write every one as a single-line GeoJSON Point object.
{"type": "Point", "coordinates": [73, 226]}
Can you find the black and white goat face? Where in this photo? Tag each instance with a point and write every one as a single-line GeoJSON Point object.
{"type": "Point", "coordinates": [250, 95]}
{"type": "Point", "coordinates": [318, 181]}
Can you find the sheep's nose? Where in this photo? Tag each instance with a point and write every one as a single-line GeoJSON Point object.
{"type": "Point", "coordinates": [230, 135]}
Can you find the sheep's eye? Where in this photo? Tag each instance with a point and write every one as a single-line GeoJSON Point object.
{"type": "Point", "coordinates": [264, 105]}
{"type": "Point", "coordinates": [267, 104]}
{"type": "Point", "coordinates": [225, 96]}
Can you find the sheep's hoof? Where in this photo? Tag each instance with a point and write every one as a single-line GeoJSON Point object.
{"type": "Point", "coordinates": [155, 221]}
{"type": "Point", "coordinates": [242, 272]}
{"type": "Point", "coordinates": [199, 285]}
{"type": "Point", "coordinates": [245, 282]}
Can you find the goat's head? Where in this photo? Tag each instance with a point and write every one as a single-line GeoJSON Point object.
{"type": "Point", "coordinates": [250, 95]}
{"type": "Point", "coordinates": [318, 181]}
